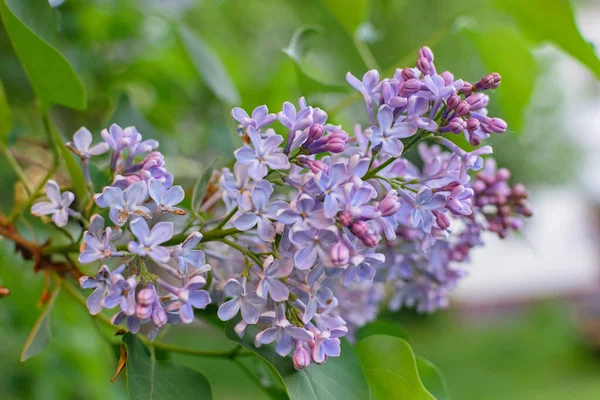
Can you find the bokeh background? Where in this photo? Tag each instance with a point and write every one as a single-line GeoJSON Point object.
{"type": "Point", "coordinates": [526, 322]}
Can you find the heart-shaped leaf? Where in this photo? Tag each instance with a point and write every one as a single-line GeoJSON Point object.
{"type": "Point", "coordinates": [148, 379]}
{"type": "Point", "coordinates": [30, 25]}
{"type": "Point", "coordinates": [339, 378]}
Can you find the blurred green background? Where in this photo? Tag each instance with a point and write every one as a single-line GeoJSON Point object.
{"type": "Point", "coordinates": [174, 68]}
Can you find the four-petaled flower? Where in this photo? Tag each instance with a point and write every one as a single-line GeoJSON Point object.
{"type": "Point", "coordinates": [102, 284]}
{"type": "Point", "coordinates": [58, 205]}
{"type": "Point", "coordinates": [425, 203]}
{"type": "Point", "coordinates": [150, 240]}
{"type": "Point", "coordinates": [260, 117]}
{"type": "Point", "coordinates": [82, 140]}
{"type": "Point", "coordinates": [186, 255]}
{"type": "Point", "coordinates": [190, 296]}
{"type": "Point", "coordinates": [124, 203]}
{"type": "Point", "coordinates": [164, 198]}
{"type": "Point", "coordinates": [270, 283]}
{"type": "Point", "coordinates": [239, 300]}
{"type": "Point", "coordinates": [266, 153]}
{"type": "Point", "coordinates": [283, 332]}
{"type": "Point", "coordinates": [388, 133]}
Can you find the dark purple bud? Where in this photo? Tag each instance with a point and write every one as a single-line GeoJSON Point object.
{"type": "Point", "coordinates": [315, 132]}
{"type": "Point", "coordinates": [369, 240]}
{"type": "Point", "coordinates": [360, 229]}
{"type": "Point", "coordinates": [339, 254]}
{"type": "Point", "coordinates": [476, 101]}
{"type": "Point", "coordinates": [473, 124]}
{"type": "Point", "coordinates": [301, 357]}
{"type": "Point", "coordinates": [448, 187]}
{"type": "Point", "coordinates": [466, 88]}
{"type": "Point", "coordinates": [423, 65]}
{"type": "Point", "coordinates": [442, 220]}
{"type": "Point", "coordinates": [345, 218]}
{"type": "Point", "coordinates": [315, 165]}
{"type": "Point", "coordinates": [408, 73]}
{"type": "Point", "coordinates": [491, 81]}
{"type": "Point", "coordinates": [498, 125]}
{"type": "Point", "coordinates": [410, 87]}
{"type": "Point", "coordinates": [425, 52]}
{"type": "Point", "coordinates": [447, 77]}
{"type": "Point", "coordinates": [474, 140]}
{"type": "Point", "coordinates": [462, 108]}
{"type": "Point", "coordinates": [453, 101]}
{"type": "Point", "coordinates": [456, 125]}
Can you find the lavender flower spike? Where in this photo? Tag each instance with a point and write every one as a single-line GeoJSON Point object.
{"type": "Point", "coordinates": [58, 205]}
{"type": "Point", "coordinates": [149, 240]}
{"type": "Point", "coordinates": [266, 153]}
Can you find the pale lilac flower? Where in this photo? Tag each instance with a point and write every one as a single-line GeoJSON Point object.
{"type": "Point", "coordinates": [133, 322]}
{"type": "Point", "coordinates": [119, 138]}
{"type": "Point", "coordinates": [122, 294]}
{"type": "Point", "coordinates": [425, 203]}
{"type": "Point", "coordinates": [296, 121]}
{"type": "Point", "coordinates": [260, 117]}
{"type": "Point", "coordinates": [329, 183]}
{"type": "Point", "coordinates": [458, 200]}
{"type": "Point", "coordinates": [101, 284]}
{"type": "Point", "coordinates": [149, 240]}
{"type": "Point", "coordinates": [98, 247]}
{"type": "Point", "coordinates": [304, 214]}
{"type": "Point", "coordinates": [186, 255]}
{"type": "Point", "coordinates": [311, 244]}
{"type": "Point", "coordinates": [124, 203]}
{"type": "Point", "coordinates": [58, 205]}
{"type": "Point", "coordinates": [164, 198]}
{"type": "Point", "coordinates": [82, 140]}
{"type": "Point", "coordinates": [284, 333]}
{"type": "Point", "coordinates": [240, 299]}
{"type": "Point", "coordinates": [238, 186]}
{"type": "Point", "coordinates": [270, 284]}
{"type": "Point", "coordinates": [367, 85]}
{"type": "Point", "coordinates": [261, 213]}
{"type": "Point", "coordinates": [327, 344]}
{"type": "Point", "coordinates": [190, 296]}
{"type": "Point", "coordinates": [388, 134]}
{"type": "Point", "coordinates": [266, 153]}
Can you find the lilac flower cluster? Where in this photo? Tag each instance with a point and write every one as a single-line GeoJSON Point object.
{"type": "Point", "coordinates": [318, 231]}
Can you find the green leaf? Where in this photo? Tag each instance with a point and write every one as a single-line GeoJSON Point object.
{"type": "Point", "coordinates": [432, 378]}
{"type": "Point", "coordinates": [5, 116]}
{"type": "Point", "coordinates": [41, 334]}
{"type": "Point", "coordinates": [518, 78]}
{"type": "Point", "coordinates": [148, 379]}
{"type": "Point", "coordinates": [52, 77]}
{"type": "Point", "coordinates": [382, 328]}
{"type": "Point", "coordinates": [349, 13]}
{"type": "Point", "coordinates": [552, 20]}
{"type": "Point", "coordinates": [391, 369]}
{"type": "Point", "coordinates": [209, 67]}
{"type": "Point", "coordinates": [339, 378]}
{"type": "Point", "coordinates": [200, 187]}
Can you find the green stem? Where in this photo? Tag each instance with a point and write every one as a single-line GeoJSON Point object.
{"type": "Point", "coordinates": [242, 250]}
{"type": "Point", "coordinates": [227, 218]}
{"type": "Point", "coordinates": [16, 168]}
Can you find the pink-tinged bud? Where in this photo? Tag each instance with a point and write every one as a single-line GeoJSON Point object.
{"type": "Point", "coordinates": [389, 205]}
{"type": "Point", "coordinates": [474, 140]}
{"type": "Point", "coordinates": [369, 240]}
{"type": "Point", "coordinates": [143, 312]}
{"type": "Point", "coordinates": [315, 132]}
{"type": "Point", "coordinates": [519, 190]}
{"type": "Point", "coordinates": [503, 174]}
{"type": "Point", "coordinates": [448, 77]}
{"type": "Point", "coordinates": [516, 224]}
{"type": "Point", "coordinates": [338, 134]}
{"type": "Point", "coordinates": [453, 101]}
{"type": "Point", "coordinates": [409, 87]}
{"type": "Point", "coordinates": [448, 187]}
{"type": "Point", "coordinates": [339, 254]}
{"type": "Point", "coordinates": [336, 145]}
{"type": "Point", "coordinates": [456, 125]}
{"type": "Point", "coordinates": [315, 166]}
{"type": "Point", "coordinates": [360, 229]}
{"type": "Point", "coordinates": [425, 52]}
{"type": "Point", "coordinates": [423, 65]}
{"type": "Point", "coordinates": [408, 73]}
{"type": "Point", "coordinates": [159, 317]}
{"type": "Point", "coordinates": [462, 108]}
{"type": "Point", "coordinates": [442, 220]}
{"type": "Point", "coordinates": [131, 179]}
{"type": "Point", "coordinates": [491, 81]}
{"type": "Point", "coordinates": [498, 125]}
{"type": "Point", "coordinates": [145, 297]}
{"type": "Point", "coordinates": [345, 218]}
{"type": "Point", "coordinates": [476, 101]}
{"type": "Point", "coordinates": [479, 186]}
{"type": "Point", "coordinates": [473, 124]}
{"type": "Point", "coordinates": [301, 357]}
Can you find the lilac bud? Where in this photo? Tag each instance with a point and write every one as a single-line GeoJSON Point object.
{"type": "Point", "coordinates": [338, 134]}
{"type": "Point", "coordinates": [369, 240]}
{"type": "Point", "coordinates": [466, 88]}
{"type": "Point", "coordinates": [389, 205]}
{"type": "Point", "coordinates": [314, 133]}
{"type": "Point", "coordinates": [442, 220]}
{"type": "Point", "coordinates": [498, 125]}
{"type": "Point", "coordinates": [491, 81]}
{"type": "Point", "coordinates": [159, 317]}
{"type": "Point", "coordinates": [360, 229]}
{"type": "Point", "coordinates": [456, 125]}
{"type": "Point", "coordinates": [474, 140]}
{"type": "Point", "coordinates": [425, 52]}
{"type": "Point", "coordinates": [408, 73]}
{"type": "Point", "coordinates": [476, 101]}
{"type": "Point", "coordinates": [503, 174]}
{"type": "Point", "coordinates": [301, 357]}
{"type": "Point", "coordinates": [339, 254]}
{"type": "Point", "coordinates": [448, 77]}
{"type": "Point", "coordinates": [410, 87]}
{"type": "Point", "coordinates": [423, 65]}
{"type": "Point", "coordinates": [519, 190]}
{"type": "Point", "coordinates": [453, 101]}
{"type": "Point", "coordinates": [336, 145]}
{"type": "Point", "coordinates": [145, 297]}
{"type": "Point", "coordinates": [143, 312]}
{"type": "Point", "coordinates": [462, 108]}
{"type": "Point", "coordinates": [473, 124]}
{"type": "Point", "coordinates": [345, 218]}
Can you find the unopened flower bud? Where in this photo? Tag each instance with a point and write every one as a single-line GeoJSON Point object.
{"type": "Point", "coordinates": [146, 297]}
{"type": "Point", "coordinates": [336, 145]}
{"type": "Point", "coordinates": [503, 174]}
{"type": "Point", "coordinates": [442, 220]}
{"type": "Point", "coordinates": [466, 88]}
{"type": "Point", "coordinates": [360, 229]}
{"type": "Point", "coordinates": [345, 218]}
{"type": "Point", "coordinates": [476, 101]}
{"type": "Point", "coordinates": [389, 205]}
{"type": "Point", "coordinates": [473, 124]}
{"type": "Point", "coordinates": [410, 87]}
{"type": "Point", "coordinates": [315, 132]}
{"type": "Point", "coordinates": [143, 312]}
{"type": "Point", "coordinates": [462, 108]}
{"type": "Point", "coordinates": [408, 73]}
{"type": "Point", "coordinates": [448, 77]}
{"type": "Point", "coordinates": [498, 125]}
{"type": "Point", "coordinates": [159, 317]}
{"type": "Point", "coordinates": [425, 52]}
{"type": "Point", "coordinates": [423, 65]}
{"type": "Point", "coordinates": [301, 357]}
{"type": "Point", "coordinates": [456, 125]}
{"type": "Point", "coordinates": [369, 240]}
{"type": "Point", "coordinates": [453, 101]}
{"type": "Point", "coordinates": [474, 140]}
{"type": "Point", "coordinates": [339, 254]}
